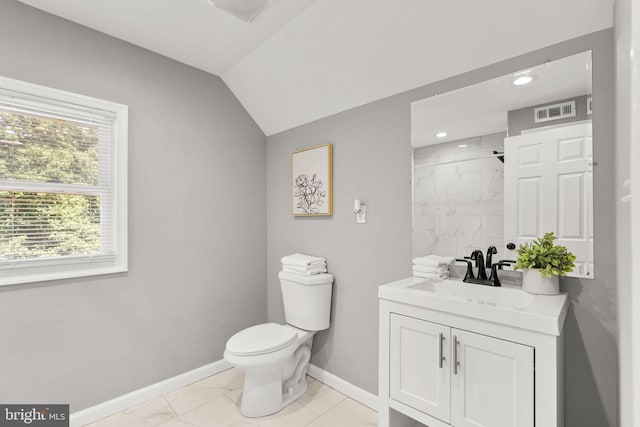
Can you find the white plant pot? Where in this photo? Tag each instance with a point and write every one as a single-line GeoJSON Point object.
{"type": "Point", "coordinates": [533, 283]}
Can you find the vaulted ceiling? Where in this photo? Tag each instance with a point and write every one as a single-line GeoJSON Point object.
{"type": "Point", "coordinates": [302, 60]}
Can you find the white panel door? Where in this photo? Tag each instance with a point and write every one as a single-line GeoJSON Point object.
{"type": "Point", "coordinates": [549, 187]}
{"type": "Point", "coordinates": [419, 365]}
{"type": "Point", "coordinates": [493, 382]}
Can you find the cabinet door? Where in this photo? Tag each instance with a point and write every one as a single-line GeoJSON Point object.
{"type": "Point", "coordinates": [493, 383]}
{"type": "Point", "coordinates": [420, 368]}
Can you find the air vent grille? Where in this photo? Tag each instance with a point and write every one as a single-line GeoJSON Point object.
{"type": "Point", "coordinates": [555, 111]}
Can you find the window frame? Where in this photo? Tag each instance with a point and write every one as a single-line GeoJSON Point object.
{"type": "Point", "coordinates": [37, 270]}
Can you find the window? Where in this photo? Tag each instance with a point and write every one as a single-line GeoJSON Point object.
{"type": "Point", "coordinates": [63, 190]}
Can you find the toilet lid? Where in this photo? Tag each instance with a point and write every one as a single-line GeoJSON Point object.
{"type": "Point", "coordinates": [261, 339]}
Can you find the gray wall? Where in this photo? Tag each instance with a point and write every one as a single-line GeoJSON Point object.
{"type": "Point", "coordinates": [523, 118]}
{"type": "Point", "coordinates": [196, 225]}
{"type": "Point", "coordinates": [372, 161]}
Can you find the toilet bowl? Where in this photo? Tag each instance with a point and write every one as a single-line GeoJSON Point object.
{"type": "Point", "coordinates": [275, 360]}
{"type": "Point", "coordinates": [276, 357]}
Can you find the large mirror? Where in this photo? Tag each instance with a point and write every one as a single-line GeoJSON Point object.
{"type": "Point", "coordinates": [502, 162]}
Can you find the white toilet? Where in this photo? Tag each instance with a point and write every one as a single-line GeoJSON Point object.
{"type": "Point", "coordinates": [276, 357]}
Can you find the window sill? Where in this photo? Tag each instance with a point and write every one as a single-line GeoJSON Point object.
{"type": "Point", "coordinates": [22, 275]}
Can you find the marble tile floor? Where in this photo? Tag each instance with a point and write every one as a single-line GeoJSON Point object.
{"type": "Point", "coordinates": [215, 402]}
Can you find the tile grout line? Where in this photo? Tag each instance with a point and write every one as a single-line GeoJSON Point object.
{"type": "Point", "coordinates": [223, 395]}
{"type": "Point", "coordinates": [320, 416]}
{"type": "Point", "coordinates": [344, 397]}
{"type": "Point", "coordinates": [313, 420]}
{"type": "Point", "coordinates": [175, 413]}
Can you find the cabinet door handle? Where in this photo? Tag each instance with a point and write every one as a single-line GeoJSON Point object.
{"type": "Point", "coordinates": [456, 363]}
{"type": "Point", "coordinates": [441, 356]}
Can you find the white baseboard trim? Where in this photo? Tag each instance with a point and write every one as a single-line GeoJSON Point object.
{"type": "Point", "coordinates": [120, 403]}
{"type": "Point", "coordinates": [344, 387]}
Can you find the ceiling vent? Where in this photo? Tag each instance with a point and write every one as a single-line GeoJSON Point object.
{"type": "Point", "coordinates": [244, 10]}
{"type": "Point", "coordinates": [555, 112]}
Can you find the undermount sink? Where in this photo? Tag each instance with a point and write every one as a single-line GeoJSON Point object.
{"type": "Point", "coordinates": [489, 295]}
{"type": "Point", "coordinates": [508, 305]}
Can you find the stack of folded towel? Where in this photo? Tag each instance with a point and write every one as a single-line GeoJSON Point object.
{"type": "Point", "coordinates": [303, 264]}
{"type": "Point", "coordinates": [432, 267]}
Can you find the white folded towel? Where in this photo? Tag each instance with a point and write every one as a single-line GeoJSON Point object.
{"type": "Point", "coordinates": [434, 260]}
{"type": "Point", "coordinates": [433, 276]}
{"type": "Point", "coordinates": [308, 271]}
{"type": "Point", "coordinates": [303, 260]}
{"type": "Point", "coordinates": [430, 269]}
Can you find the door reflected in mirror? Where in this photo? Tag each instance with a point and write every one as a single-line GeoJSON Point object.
{"type": "Point", "coordinates": [505, 161]}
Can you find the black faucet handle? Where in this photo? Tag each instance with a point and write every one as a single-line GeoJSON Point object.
{"type": "Point", "coordinates": [491, 250]}
{"type": "Point", "coordinates": [498, 266]}
{"type": "Point", "coordinates": [469, 274]}
{"type": "Point", "coordinates": [494, 273]}
{"type": "Point", "coordinates": [505, 262]}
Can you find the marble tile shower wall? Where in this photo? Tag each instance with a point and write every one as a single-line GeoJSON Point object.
{"type": "Point", "coordinates": [459, 206]}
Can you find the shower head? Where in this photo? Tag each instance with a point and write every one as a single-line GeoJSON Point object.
{"type": "Point", "coordinates": [501, 158]}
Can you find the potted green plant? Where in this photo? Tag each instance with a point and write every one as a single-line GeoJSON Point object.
{"type": "Point", "coordinates": [542, 264]}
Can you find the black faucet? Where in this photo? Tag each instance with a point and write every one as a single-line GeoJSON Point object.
{"type": "Point", "coordinates": [494, 270]}
{"type": "Point", "coordinates": [469, 274]}
{"type": "Point", "coordinates": [491, 251]}
{"type": "Point", "coordinates": [479, 259]}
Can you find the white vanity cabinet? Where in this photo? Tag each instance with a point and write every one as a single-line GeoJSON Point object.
{"type": "Point", "coordinates": [447, 359]}
{"type": "Point", "coordinates": [419, 365]}
{"type": "Point", "coordinates": [459, 377]}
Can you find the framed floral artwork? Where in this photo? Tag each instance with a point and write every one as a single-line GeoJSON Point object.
{"type": "Point", "coordinates": [312, 181]}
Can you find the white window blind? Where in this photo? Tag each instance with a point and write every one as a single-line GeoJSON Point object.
{"type": "Point", "coordinates": [62, 184]}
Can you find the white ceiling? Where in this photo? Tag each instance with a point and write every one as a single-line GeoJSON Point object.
{"type": "Point", "coordinates": [481, 109]}
{"type": "Point", "coordinates": [302, 60]}
{"type": "Point", "coordinates": [191, 31]}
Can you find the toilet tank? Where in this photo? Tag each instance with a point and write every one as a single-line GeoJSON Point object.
{"type": "Point", "coordinates": [307, 300]}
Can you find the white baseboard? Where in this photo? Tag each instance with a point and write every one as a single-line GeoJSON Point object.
{"type": "Point", "coordinates": [113, 406]}
{"type": "Point", "coordinates": [344, 387]}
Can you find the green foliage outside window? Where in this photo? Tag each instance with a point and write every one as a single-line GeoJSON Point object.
{"type": "Point", "coordinates": [37, 149]}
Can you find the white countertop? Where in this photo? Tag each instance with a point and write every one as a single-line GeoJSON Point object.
{"type": "Point", "coordinates": [508, 305]}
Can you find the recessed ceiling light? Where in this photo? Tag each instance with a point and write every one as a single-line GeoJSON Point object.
{"type": "Point", "coordinates": [462, 146]}
{"type": "Point", "coordinates": [441, 134]}
{"type": "Point", "coordinates": [523, 80]}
